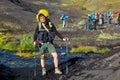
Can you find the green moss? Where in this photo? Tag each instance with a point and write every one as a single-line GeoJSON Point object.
{"type": "Point", "coordinates": [104, 50]}
{"type": "Point", "coordinates": [2, 38]}
{"type": "Point", "coordinates": [10, 46]}
{"type": "Point", "coordinates": [9, 42]}
{"type": "Point", "coordinates": [30, 54]}
{"type": "Point", "coordinates": [87, 49]}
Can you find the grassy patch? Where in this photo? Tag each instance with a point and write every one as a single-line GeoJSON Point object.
{"type": "Point", "coordinates": [26, 43]}
{"type": "Point", "coordinates": [82, 22]}
{"type": "Point", "coordinates": [87, 49]}
{"type": "Point", "coordinates": [10, 46]}
{"type": "Point", "coordinates": [103, 36]}
{"type": "Point", "coordinates": [64, 5]}
{"type": "Point", "coordinates": [10, 42]}
{"type": "Point", "coordinates": [2, 38]}
{"type": "Point", "coordinates": [80, 38]}
{"type": "Point", "coordinates": [112, 2]}
{"type": "Point", "coordinates": [31, 54]}
{"type": "Point", "coordinates": [24, 47]}
{"type": "Point", "coordinates": [77, 2]}
{"type": "Point", "coordinates": [10, 25]}
{"type": "Point", "coordinates": [36, 2]}
{"type": "Point", "coordinates": [27, 54]}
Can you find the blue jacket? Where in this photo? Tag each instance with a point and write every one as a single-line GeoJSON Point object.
{"type": "Point", "coordinates": [92, 16]}
{"type": "Point", "coordinates": [64, 17]}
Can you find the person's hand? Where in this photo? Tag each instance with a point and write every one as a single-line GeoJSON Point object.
{"type": "Point", "coordinates": [36, 42]}
{"type": "Point", "coordinates": [65, 39]}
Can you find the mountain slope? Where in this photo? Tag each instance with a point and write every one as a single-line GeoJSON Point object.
{"type": "Point", "coordinates": [22, 12]}
{"type": "Point", "coordinates": [102, 5]}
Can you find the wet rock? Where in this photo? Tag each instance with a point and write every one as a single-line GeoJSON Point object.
{"type": "Point", "coordinates": [113, 57]}
{"type": "Point", "coordinates": [114, 76]}
{"type": "Point", "coordinates": [91, 75]}
{"type": "Point", "coordinates": [6, 73]}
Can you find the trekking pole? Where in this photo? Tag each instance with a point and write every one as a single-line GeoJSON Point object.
{"type": "Point", "coordinates": [66, 57]}
{"type": "Point", "coordinates": [35, 61]}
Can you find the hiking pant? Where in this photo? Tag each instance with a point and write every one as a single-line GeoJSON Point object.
{"type": "Point", "coordinates": [87, 25]}
{"type": "Point", "coordinates": [119, 23]}
{"type": "Point", "coordinates": [94, 25]}
{"type": "Point", "coordinates": [100, 22]}
{"type": "Point", "coordinates": [64, 23]}
{"type": "Point", "coordinates": [115, 20]}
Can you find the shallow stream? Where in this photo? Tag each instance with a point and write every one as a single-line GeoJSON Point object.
{"type": "Point", "coordinates": [9, 58]}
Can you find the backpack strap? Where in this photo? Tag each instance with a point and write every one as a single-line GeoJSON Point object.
{"type": "Point", "coordinates": [46, 28]}
{"type": "Point", "coordinates": [50, 24]}
{"type": "Point", "coordinates": [40, 24]}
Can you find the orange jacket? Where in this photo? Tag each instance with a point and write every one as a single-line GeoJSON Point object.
{"type": "Point", "coordinates": [115, 15]}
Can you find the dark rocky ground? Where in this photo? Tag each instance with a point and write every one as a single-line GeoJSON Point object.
{"type": "Point", "coordinates": [22, 12]}
{"type": "Point", "coordinates": [106, 67]}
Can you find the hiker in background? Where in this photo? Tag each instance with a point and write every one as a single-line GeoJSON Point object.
{"type": "Point", "coordinates": [111, 14]}
{"type": "Point", "coordinates": [88, 23]}
{"type": "Point", "coordinates": [101, 19]}
{"type": "Point", "coordinates": [94, 25]}
{"type": "Point", "coordinates": [110, 18]}
{"type": "Point", "coordinates": [93, 20]}
{"type": "Point", "coordinates": [106, 14]}
{"type": "Point", "coordinates": [119, 19]}
{"type": "Point", "coordinates": [115, 18]}
{"type": "Point", "coordinates": [64, 19]}
{"type": "Point", "coordinates": [44, 35]}
{"type": "Point", "coordinates": [97, 17]}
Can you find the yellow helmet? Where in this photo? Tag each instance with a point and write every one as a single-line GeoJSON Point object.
{"type": "Point", "coordinates": [43, 12]}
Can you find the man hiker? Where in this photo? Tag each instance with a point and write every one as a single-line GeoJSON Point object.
{"type": "Point", "coordinates": [92, 17]}
{"type": "Point", "coordinates": [44, 34]}
{"type": "Point", "coordinates": [64, 19]}
{"type": "Point", "coordinates": [88, 23]}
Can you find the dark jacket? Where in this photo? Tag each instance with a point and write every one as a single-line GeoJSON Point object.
{"type": "Point", "coordinates": [42, 35]}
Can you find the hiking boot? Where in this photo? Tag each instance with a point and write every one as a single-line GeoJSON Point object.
{"type": "Point", "coordinates": [43, 71]}
{"type": "Point", "coordinates": [57, 71]}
